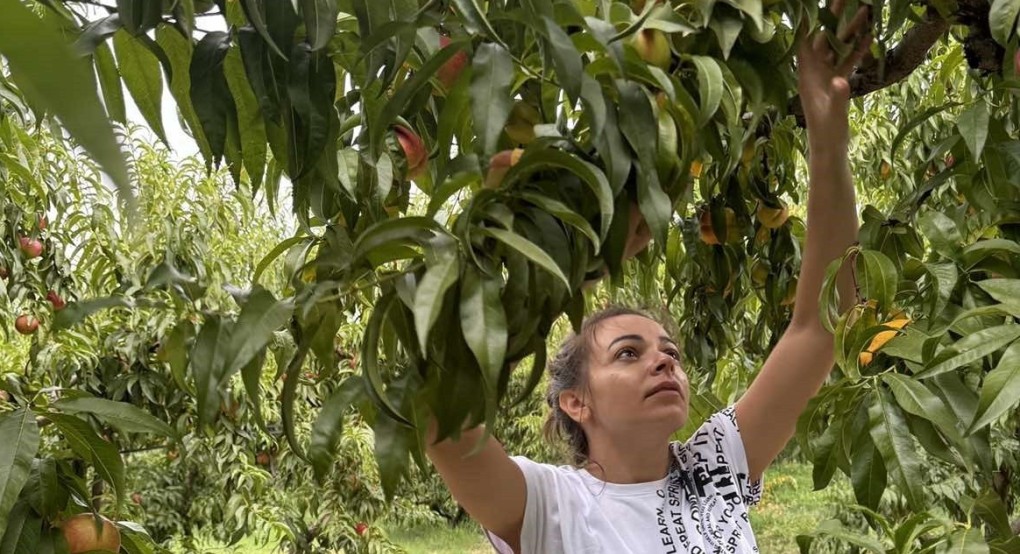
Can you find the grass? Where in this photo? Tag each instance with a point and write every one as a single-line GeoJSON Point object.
{"type": "Point", "coordinates": [789, 507]}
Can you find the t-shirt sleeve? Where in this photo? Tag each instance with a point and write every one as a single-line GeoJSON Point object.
{"type": "Point", "coordinates": [538, 530]}
{"type": "Point", "coordinates": [716, 450]}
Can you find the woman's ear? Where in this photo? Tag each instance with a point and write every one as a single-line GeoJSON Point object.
{"type": "Point", "coordinates": [574, 405]}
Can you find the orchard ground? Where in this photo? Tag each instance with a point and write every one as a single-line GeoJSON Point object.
{"type": "Point", "coordinates": [789, 507]}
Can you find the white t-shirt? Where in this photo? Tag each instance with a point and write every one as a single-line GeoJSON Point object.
{"type": "Point", "coordinates": [699, 508]}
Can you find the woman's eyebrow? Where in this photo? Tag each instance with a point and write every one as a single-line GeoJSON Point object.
{"type": "Point", "coordinates": [641, 339]}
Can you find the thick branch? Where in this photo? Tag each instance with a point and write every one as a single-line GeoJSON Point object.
{"type": "Point", "coordinates": [901, 61]}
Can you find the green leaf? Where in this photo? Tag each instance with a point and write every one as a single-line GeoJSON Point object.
{"type": "Point", "coordinates": [636, 119]}
{"type": "Point", "coordinates": [44, 491]}
{"type": "Point", "coordinates": [566, 59]}
{"type": "Point", "coordinates": [261, 316]}
{"type": "Point", "coordinates": [1003, 290]}
{"type": "Point", "coordinates": [867, 472]}
{"type": "Point", "coordinates": [401, 230]}
{"type": "Point", "coordinates": [835, 529]}
{"type": "Point", "coordinates": [19, 434]}
{"type": "Point", "coordinates": [288, 397]}
{"type": "Point", "coordinates": [370, 358]}
{"type": "Point", "coordinates": [75, 312]}
{"type": "Point", "coordinates": [175, 349]}
{"type": "Point", "coordinates": [320, 21]}
{"type": "Point", "coordinates": [877, 277]}
{"type": "Point", "coordinates": [275, 253]}
{"type": "Point", "coordinates": [139, 68]}
{"type": "Point", "coordinates": [967, 541]}
{"type": "Point", "coordinates": [92, 448]}
{"type": "Point", "coordinates": [210, 93]}
{"type": "Point", "coordinates": [179, 50]}
{"type": "Point", "coordinates": [474, 19]}
{"type": "Point", "coordinates": [888, 429]}
{"type": "Point", "coordinates": [973, 127]}
{"type": "Point", "coordinates": [491, 77]}
{"type": "Point", "coordinates": [443, 264]}
{"type": "Point", "coordinates": [253, 9]}
{"type": "Point", "coordinates": [942, 231]}
{"type": "Point", "coordinates": [529, 249]}
{"type": "Point", "coordinates": [109, 81]}
{"type": "Point", "coordinates": [710, 86]}
{"type": "Point", "coordinates": [47, 70]}
{"type": "Point", "coordinates": [328, 426]}
{"type": "Point", "coordinates": [22, 533]}
{"type": "Point", "coordinates": [1002, 17]}
{"type": "Point", "coordinates": [1001, 389]}
{"type": "Point", "coordinates": [915, 398]}
{"type": "Point", "coordinates": [208, 357]}
{"type": "Point", "coordinates": [914, 123]}
{"type": "Point", "coordinates": [123, 416]}
{"type": "Point", "coordinates": [251, 125]}
{"type": "Point", "coordinates": [251, 375]}
{"type": "Point", "coordinates": [564, 214]}
{"type": "Point", "coordinates": [485, 329]}
{"type": "Point", "coordinates": [971, 348]}
{"type": "Point", "coordinates": [542, 160]}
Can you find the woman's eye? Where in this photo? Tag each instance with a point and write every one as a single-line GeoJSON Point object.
{"type": "Point", "coordinates": [674, 354]}
{"type": "Point", "coordinates": [626, 353]}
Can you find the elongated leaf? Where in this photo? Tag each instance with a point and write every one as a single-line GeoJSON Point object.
{"type": "Point", "coordinates": [888, 429]}
{"type": "Point", "coordinates": [102, 454]}
{"type": "Point", "coordinates": [967, 541]}
{"type": "Point", "coordinates": [529, 249]}
{"type": "Point", "coordinates": [474, 18]}
{"type": "Point", "coordinates": [867, 473]}
{"type": "Point", "coordinates": [710, 86]}
{"type": "Point", "coordinates": [174, 351]}
{"type": "Point", "coordinates": [261, 316]}
{"type": "Point", "coordinates": [328, 425]}
{"type": "Point", "coordinates": [75, 312]}
{"type": "Point", "coordinates": [917, 399]}
{"type": "Point", "coordinates": [320, 21]}
{"type": "Point", "coordinates": [914, 123]}
{"type": "Point", "coordinates": [208, 357]}
{"type": "Point", "coordinates": [971, 348]}
{"type": "Point", "coordinates": [179, 50]}
{"type": "Point", "coordinates": [484, 323]}
{"type": "Point", "coordinates": [251, 375]}
{"type": "Point", "coordinates": [564, 214]}
{"type": "Point", "coordinates": [47, 69]}
{"type": "Point", "coordinates": [566, 59]}
{"type": "Point", "coordinates": [636, 118]}
{"type": "Point", "coordinates": [587, 172]}
{"type": "Point", "coordinates": [491, 77]}
{"type": "Point", "coordinates": [1002, 17]}
{"type": "Point", "coordinates": [275, 253]}
{"type": "Point", "coordinates": [19, 434]}
{"type": "Point", "coordinates": [123, 416]}
{"type": "Point", "coordinates": [250, 122]}
{"type": "Point", "coordinates": [1003, 290]}
{"type": "Point", "coordinates": [210, 93]}
{"type": "Point", "coordinates": [143, 79]}
{"type": "Point", "coordinates": [400, 230]}
{"type": "Point", "coordinates": [253, 9]}
{"type": "Point", "coordinates": [973, 126]}
{"type": "Point", "coordinates": [370, 358]}
{"type": "Point", "coordinates": [109, 81]}
{"type": "Point", "coordinates": [1001, 389]}
{"type": "Point", "coordinates": [288, 397]}
{"type": "Point", "coordinates": [443, 269]}
{"type": "Point", "coordinates": [877, 277]}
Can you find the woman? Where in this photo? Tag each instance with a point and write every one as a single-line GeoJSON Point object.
{"type": "Point", "coordinates": [618, 393]}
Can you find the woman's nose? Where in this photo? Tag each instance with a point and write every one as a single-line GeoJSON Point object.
{"type": "Point", "coordinates": [665, 363]}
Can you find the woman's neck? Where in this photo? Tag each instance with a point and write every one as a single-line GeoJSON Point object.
{"type": "Point", "coordinates": [638, 458]}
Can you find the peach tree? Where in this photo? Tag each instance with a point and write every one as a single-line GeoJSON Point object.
{"type": "Point", "coordinates": [459, 170]}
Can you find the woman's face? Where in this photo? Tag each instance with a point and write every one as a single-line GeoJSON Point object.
{"type": "Point", "coordinates": [635, 379]}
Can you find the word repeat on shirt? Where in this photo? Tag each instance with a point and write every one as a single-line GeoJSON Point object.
{"type": "Point", "coordinates": [700, 507]}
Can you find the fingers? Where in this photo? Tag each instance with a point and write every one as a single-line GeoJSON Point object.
{"type": "Point", "coordinates": [836, 7]}
{"type": "Point", "coordinates": [856, 25]}
{"type": "Point", "coordinates": [854, 59]}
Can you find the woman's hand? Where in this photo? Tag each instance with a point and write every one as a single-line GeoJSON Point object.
{"type": "Point", "coordinates": [823, 77]}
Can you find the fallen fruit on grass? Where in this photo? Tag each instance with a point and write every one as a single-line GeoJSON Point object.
{"type": "Point", "coordinates": [26, 324]}
{"type": "Point", "coordinates": [83, 535]}
{"type": "Point", "coordinates": [879, 340]}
